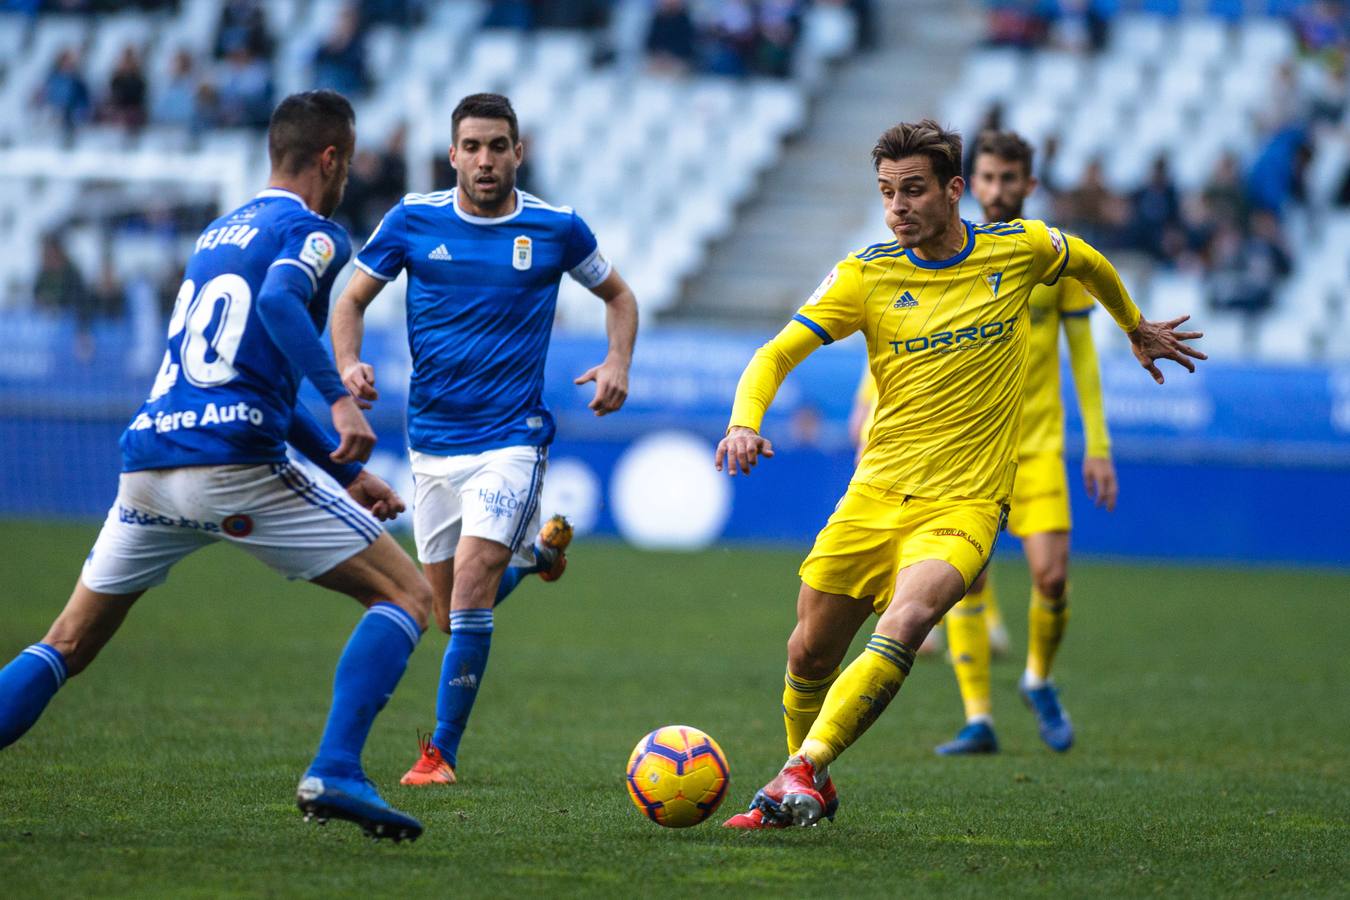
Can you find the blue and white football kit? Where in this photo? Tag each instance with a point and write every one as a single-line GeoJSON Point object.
{"type": "Point", "coordinates": [481, 297]}
{"type": "Point", "coordinates": [480, 304]}
{"type": "Point", "coordinates": [204, 459]}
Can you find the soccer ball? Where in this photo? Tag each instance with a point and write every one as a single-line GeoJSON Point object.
{"type": "Point", "coordinates": [677, 776]}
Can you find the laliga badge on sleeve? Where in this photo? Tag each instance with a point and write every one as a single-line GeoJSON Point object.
{"type": "Point", "coordinates": [522, 254]}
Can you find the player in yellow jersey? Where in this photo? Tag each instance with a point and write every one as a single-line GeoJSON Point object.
{"type": "Point", "coordinates": [1039, 514]}
{"type": "Point", "coordinates": [944, 308]}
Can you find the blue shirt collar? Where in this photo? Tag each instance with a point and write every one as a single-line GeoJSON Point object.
{"type": "Point", "coordinates": [951, 260]}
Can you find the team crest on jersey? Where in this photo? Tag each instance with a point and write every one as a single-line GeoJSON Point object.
{"type": "Point", "coordinates": [906, 301]}
{"type": "Point", "coordinates": [993, 279]}
{"type": "Point", "coordinates": [237, 526]}
{"type": "Point", "coordinates": [317, 252]}
{"type": "Point", "coordinates": [1056, 239]}
{"type": "Point", "coordinates": [522, 253]}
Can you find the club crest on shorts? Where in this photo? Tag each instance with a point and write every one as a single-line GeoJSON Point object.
{"type": "Point", "coordinates": [522, 253]}
{"type": "Point", "coordinates": [238, 525]}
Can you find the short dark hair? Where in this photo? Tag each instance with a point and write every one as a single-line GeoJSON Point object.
{"type": "Point", "coordinates": [1008, 146]}
{"type": "Point", "coordinates": [485, 106]}
{"type": "Point", "coordinates": [304, 125]}
{"type": "Point", "coordinates": [926, 138]}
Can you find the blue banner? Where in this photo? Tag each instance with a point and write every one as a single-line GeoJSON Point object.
{"type": "Point", "coordinates": [1240, 462]}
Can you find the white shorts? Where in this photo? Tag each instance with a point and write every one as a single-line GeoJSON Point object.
{"type": "Point", "coordinates": [492, 495]}
{"type": "Point", "coordinates": [286, 518]}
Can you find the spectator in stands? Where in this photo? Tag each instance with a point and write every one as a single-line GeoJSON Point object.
{"type": "Point", "coordinates": [244, 86]}
{"type": "Point", "coordinates": [59, 286]}
{"type": "Point", "coordinates": [206, 111]}
{"type": "Point", "coordinates": [779, 28]}
{"type": "Point", "coordinates": [64, 93]}
{"type": "Point", "coordinates": [1154, 209]}
{"type": "Point", "coordinates": [1092, 209]}
{"type": "Point", "coordinates": [242, 24]}
{"type": "Point", "coordinates": [671, 38]}
{"type": "Point", "coordinates": [571, 13]}
{"type": "Point", "coordinates": [403, 13]}
{"type": "Point", "coordinates": [125, 104]}
{"type": "Point", "coordinates": [176, 99]}
{"type": "Point", "coordinates": [517, 14]}
{"type": "Point", "coordinates": [1247, 268]}
{"type": "Point", "coordinates": [1223, 193]}
{"type": "Point", "coordinates": [729, 37]}
{"type": "Point", "coordinates": [378, 179]}
{"type": "Point", "coordinates": [340, 61]}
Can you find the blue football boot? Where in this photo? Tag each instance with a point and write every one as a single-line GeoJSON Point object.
{"type": "Point", "coordinates": [975, 737]}
{"type": "Point", "coordinates": [1053, 722]}
{"type": "Point", "coordinates": [324, 797]}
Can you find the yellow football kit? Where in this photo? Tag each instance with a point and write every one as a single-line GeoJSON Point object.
{"type": "Point", "coordinates": [1040, 500]}
{"type": "Point", "coordinates": [947, 343]}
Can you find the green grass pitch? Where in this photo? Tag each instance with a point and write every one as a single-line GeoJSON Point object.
{"type": "Point", "coordinates": [1210, 705]}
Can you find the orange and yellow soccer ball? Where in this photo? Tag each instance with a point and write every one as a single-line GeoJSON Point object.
{"type": "Point", "coordinates": [677, 776]}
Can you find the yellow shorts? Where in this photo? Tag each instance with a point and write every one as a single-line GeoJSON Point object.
{"type": "Point", "coordinates": [873, 534]}
{"type": "Point", "coordinates": [1040, 498]}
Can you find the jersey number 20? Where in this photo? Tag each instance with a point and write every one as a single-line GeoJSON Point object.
{"type": "Point", "coordinates": [207, 360]}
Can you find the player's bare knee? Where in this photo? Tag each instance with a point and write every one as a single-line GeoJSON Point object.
{"type": "Point", "coordinates": [808, 660]}
{"type": "Point", "coordinates": [1051, 581]}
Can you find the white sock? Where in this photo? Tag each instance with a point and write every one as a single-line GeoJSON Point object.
{"type": "Point", "coordinates": [1033, 682]}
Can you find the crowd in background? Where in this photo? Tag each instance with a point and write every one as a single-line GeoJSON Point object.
{"type": "Point", "coordinates": [1232, 229]}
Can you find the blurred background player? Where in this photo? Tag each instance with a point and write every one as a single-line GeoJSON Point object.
{"type": "Point", "coordinates": [484, 261]}
{"type": "Point", "coordinates": [204, 460]}
{"type": "Point", "coordinates": [943, 308]}
{"type": "Point", "coordinates": [1039, 513]}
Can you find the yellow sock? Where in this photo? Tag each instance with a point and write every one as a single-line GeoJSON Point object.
{"type": "Point", "coordinates": [802, 699]}
{"type": "Point", "coordinates": [857, 698]}
{"type": "Point", "coordinates": [993, 616]}
{"type": "Point", "coordinates": [968, 638]}
{"type": "Point", "coordinates": [1045, 628]}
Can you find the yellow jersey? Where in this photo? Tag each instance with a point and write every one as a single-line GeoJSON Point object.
{"type": "Point", "coordinates": [1062, 303]}
{"type": "Point", "coordinates": [947, 343]}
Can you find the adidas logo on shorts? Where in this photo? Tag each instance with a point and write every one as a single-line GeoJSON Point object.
{"type": "Point", "coordinates": [440, 253]}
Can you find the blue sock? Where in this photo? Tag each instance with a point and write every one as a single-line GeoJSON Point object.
{"type": "Point", "coordinates": [371, 665]}
{"type": "Point", "coordinates": [461, 675]}
{"type": "Point", "coordinates": [510, 578]}
{"type": "Point", "coordinates": [27, 685]}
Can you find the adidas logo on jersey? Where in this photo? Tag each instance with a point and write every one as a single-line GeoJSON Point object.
{"type": "Point", "coordinates": [906, 301]}
{"type": "Point", "coordinates": [440, 253]}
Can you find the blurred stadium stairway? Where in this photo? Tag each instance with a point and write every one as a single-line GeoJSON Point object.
{"type": "Point", "coordinates": [807, 211]}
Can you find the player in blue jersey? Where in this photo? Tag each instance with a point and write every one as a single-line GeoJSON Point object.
{"type": "Point", "coordinates": [204, 460]}
{"type": "Point", "coordinates": [484, 261]}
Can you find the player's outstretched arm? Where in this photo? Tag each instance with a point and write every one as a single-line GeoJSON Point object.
{"type": "Point", "coordinates": [621, 322]}
{"type": "Point", "coordinates": [743, 445]}
{"type": "Point", "coordinates": [349, 326]}
{"type": "Point", "coordinates": [1099, 473]}
{"type": "Point", "coordinates": [1150, 341]}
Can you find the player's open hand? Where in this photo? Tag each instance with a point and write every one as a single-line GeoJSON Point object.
{"type": "Point", "coordinates": [741, 449]}
{"type": "Point", "coordinates": [355, 437]}
{"type": "Point", "coordinates": [359, 379]}
{"type": "Point", "coordinates": [1099, 477]}
{"type": "Point", "coordinates": [1152, 341]}
{"type": "Point", "coordinates": [375, 494]}
{"type": "Point", "coordinates": [611, 386]}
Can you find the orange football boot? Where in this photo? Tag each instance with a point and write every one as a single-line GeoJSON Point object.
{"type": "Point", "coordinates": [790, 799]}
{"type": "Point", "coordinates": [430, 768]}
{"type": "Point", "coordinates": [551, 546]}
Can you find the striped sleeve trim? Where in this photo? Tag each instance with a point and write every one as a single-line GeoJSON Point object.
{"type": "Point", "coordinates": [820, 332]}
{"type": "Point", "coordinates": [372, 273]}
{"type": "Point", "coordinates": [313, 282]}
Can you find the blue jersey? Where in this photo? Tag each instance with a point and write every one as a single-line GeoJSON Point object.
{"type": "Point", "coordinates": [255, 289]}
{"type": "Point", "coordinates": [481, 296]}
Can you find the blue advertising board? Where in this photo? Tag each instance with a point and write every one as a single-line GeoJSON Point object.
{"type": "Point", "coordinates": [1237, 462]}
